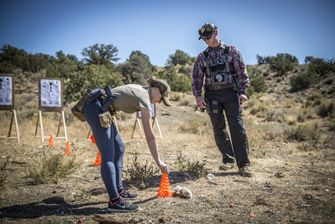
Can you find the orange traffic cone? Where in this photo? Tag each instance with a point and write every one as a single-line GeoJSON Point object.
{"type": "Point", "coordinates": [98, 160]}
{"type": "Point", "coordinates": [164, 187]}
{"type": "Point", "coordinates": [67, 149]}
{"type": "Point", "coordinates": [51, 142]}
{"type": "Point", "coordinates": [93, 139]}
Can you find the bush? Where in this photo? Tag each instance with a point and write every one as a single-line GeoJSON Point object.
{"type": "Point", "coordinates": [281, 63]}
{"type": "Point", "coordinates": [178, 82]}
{"type": "Point", "coordinates": [257, 108]}
{"type": "Point", "coordinates": [52, 169]}
{"type": "Point", "coordinates": [326, 108]}
{"type": "Point", "coordinates": [313, 99]}
{"type": "Point", "coordinates": [26, 105]}
{"type": "Point", "coordinates": [300, 82]}
{"type": "Point", "coordinates": [301, 133]}
{"type": "Point", "coordinates": [274, 115]}
{"type": "Point", "coordinates": [257, 82]}
{"type": "Point", "coordinates": [179, 58]}
{"type": "Point", "coordinates": [195, 126]}
{"type": "Point", "coordinates": [195, 168]}
{"type": "Point", "coordinates": [320, 66]}
{"type": "Point", "coordinates": [3, 174]}
{"type": "Point", "coordinates": [92, 76]}
{"type": "Point", "coordinates": [139, 172]}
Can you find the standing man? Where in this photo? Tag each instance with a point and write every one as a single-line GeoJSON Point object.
{"type": "Point", "coordinates": [221, 71]}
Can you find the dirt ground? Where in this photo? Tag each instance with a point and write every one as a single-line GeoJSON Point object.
{"type": "Point", "coordinates": [291, 184]}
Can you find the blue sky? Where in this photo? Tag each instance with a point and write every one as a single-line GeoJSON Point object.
{"type": "Point", "coordinates": [159, 28]}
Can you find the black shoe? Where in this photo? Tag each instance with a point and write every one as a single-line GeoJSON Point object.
{"type": "Point", "coordinates": [121, 206]}
{"type": "Point", "coordinates": [127, 194]}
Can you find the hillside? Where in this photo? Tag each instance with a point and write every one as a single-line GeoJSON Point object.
{"type": "Point", "coordinates": [291, 138]}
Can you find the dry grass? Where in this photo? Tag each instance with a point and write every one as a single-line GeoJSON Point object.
{"type": "Point", "coordinates": [283, 155]}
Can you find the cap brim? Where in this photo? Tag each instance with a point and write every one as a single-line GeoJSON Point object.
{"type": "Point", "coordinates": [166, 101]}
{"type": "Point", "coordinates": [206, 34]}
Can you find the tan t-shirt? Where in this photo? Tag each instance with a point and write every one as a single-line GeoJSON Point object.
{"type": "Point", "coordinates": [131, 98]}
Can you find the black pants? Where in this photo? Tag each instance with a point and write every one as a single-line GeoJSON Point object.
{"type": "Point", "coordinates": [227, 100]}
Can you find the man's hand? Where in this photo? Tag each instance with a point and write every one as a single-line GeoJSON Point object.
{"type": "Point", "coordinates": [243, 98]}
{"type": "Point", "coordinates": [201, 102]}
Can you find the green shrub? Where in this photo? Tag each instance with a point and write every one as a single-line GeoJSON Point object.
{"type": "Point", "coordinates": [257, 82]}
{"type": "Point", "coordinates": [332, 125]}
{"type": "Point", "coordinates": [26, 105]}
{"type": "Point", "coordinates": [195, 168]}
{"type": "Point", "coordinates": [195, 125]}
{"type": "Point", "coordinates": [301, 133]}
{"type": "Point", "coordinates": [274, 115]}
{"type": "Point", "coordinates": [319, 65]}
{"type": "Point", "coordinates": [281, 63]}
{"type": "Point", "coordinates": [258, 108]}
{"type": "Point", "coordinates": [51, 169]}
{"type": "Point", "coordinates": [326, 108]}
{"type": "Point", "coordinates": [138, 172]}
{"type": "Point", "coordinates": [91, 76]}
{"type": "Point", "coordinates": [178, 82]}
{"type": "Point", "coordinates": [3, 174]}
{"type": "Point", "coordinates": [300, 82]}
{"type": "Point", "coordinates": [314, 99]}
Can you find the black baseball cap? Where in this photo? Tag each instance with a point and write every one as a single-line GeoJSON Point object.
{"type": "Point", "coordinates": [206, 30]}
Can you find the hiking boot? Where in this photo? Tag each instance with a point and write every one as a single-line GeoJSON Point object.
{"type": "Point", "coordinates": [121, 206]}
{"type": "Point", "coordinates": [127, 194]}
{"type": "Point", "coordinates": [226, 166]}
{"type": "Point", "coordinates": [245, 171]}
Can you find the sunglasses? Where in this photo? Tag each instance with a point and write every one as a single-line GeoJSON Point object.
{"type": "Point", "coordinates": [204, 38]}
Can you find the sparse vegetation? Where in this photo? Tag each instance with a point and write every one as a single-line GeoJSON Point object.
{"type": "Point", "coordinates": [186, 165]}
{"type": "Point", "coordinates": [320, 66]}
{"type": "Point", "coordinates": [281, 63]}
{"type": "Point", "coordinates": [326, 108]}
{"type": "Point", "coordinates": [258, 108]}
{"type": "Point", "coordinates": [300, 82]}
{"type": "Point", "coordinates": [140, 173]}
{"type": "Point", "coordinates": [52, 169]}
{"type": "Point", "coordinates": [281, 131]}
{"type": "Point", "coordinates": [302, 133]}
{"type": "Point", "coordinates": [3, 174]}
{"type": "Point", "coordinates": [195, 126]}
{"type": "Point", "coordinates": [257, 81]}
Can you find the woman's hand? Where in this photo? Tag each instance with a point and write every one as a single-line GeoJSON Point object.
{"type": "Point", "coordinates": [151, 140]}
{"type": "Point", "coordinates": [163, 167]}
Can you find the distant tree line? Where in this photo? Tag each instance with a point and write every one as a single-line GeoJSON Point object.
{"type": "Point", "coordinates": [97, 68]}
{"type": "Point", "coordinates": [283, 63]}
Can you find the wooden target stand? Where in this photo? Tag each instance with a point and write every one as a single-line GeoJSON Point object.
{"type": "Point", "coordinates": [51, 100]}
{"type": "Point", "coordinates": [7, 104]}
{"type": "Point", "coordinates": [154, 121]}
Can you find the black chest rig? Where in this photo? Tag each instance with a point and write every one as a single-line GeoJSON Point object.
{"type": "Point", "coordinates": [217, 69]}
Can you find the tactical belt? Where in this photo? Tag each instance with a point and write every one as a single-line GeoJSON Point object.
{"type": "Point", "coordinates": [106, 99]}
{"type": "Point", "coordinates": [219, 87]}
